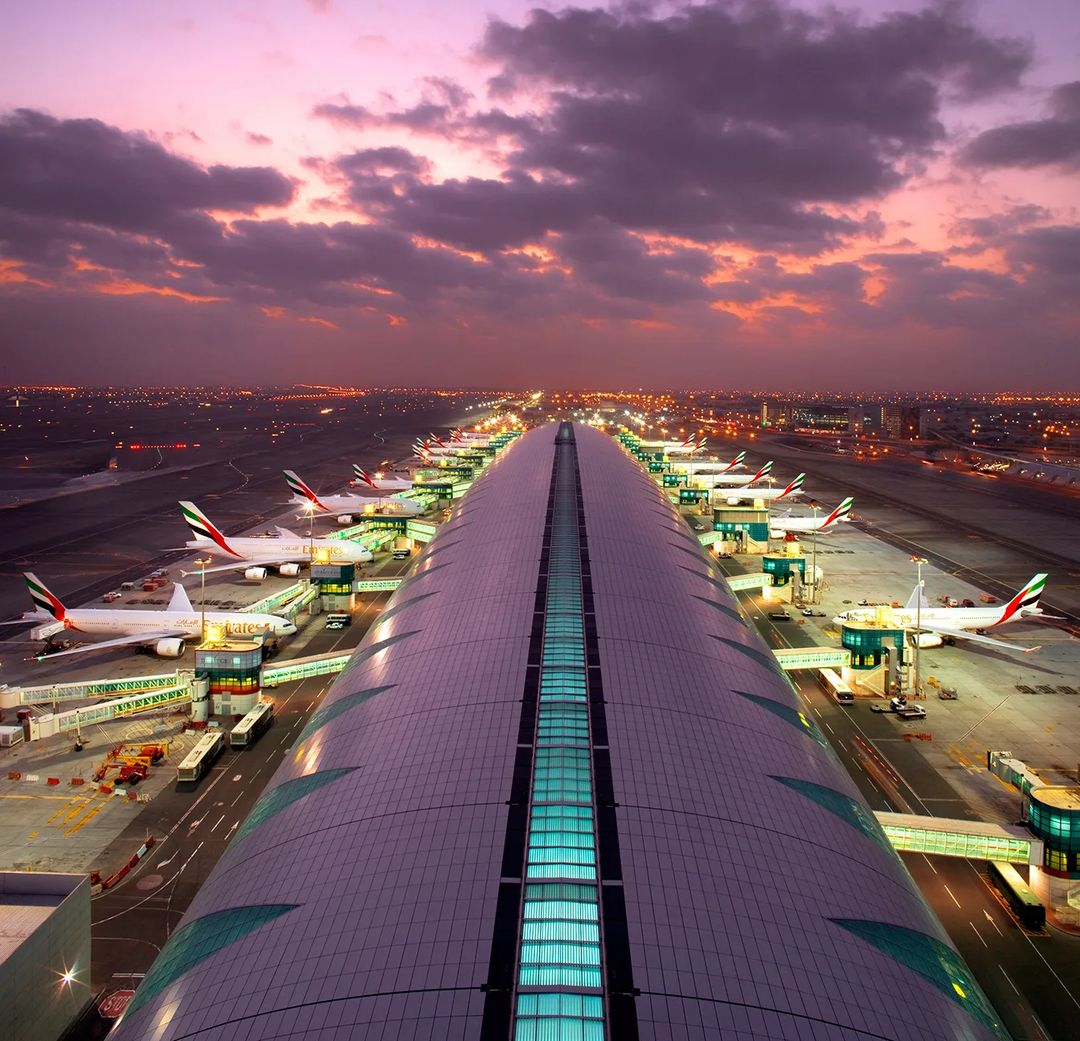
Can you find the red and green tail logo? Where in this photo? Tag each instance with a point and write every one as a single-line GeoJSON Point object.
{"type": "Point", "coordinates": [735, 462]}
{"type": "Point", "coordinates": [364, 476]}
{"type": "Point", "coordinates": [1026, 599]}
{"type": "Point", "coordinates": [43, 599]}
{"type": "Point", "coordinates": [301, 490]}
{"type": "Point", "coordinates": [797, 483]}
{"type": "Point", "coordinates": [203, 529]}
{"type": "Point", "coordinates": [839, 513]}
{"type": "Point", "coordinates": [761, 473]}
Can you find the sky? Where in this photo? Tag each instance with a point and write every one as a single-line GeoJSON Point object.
{"type": "Point", "coordinates": [798, 195]}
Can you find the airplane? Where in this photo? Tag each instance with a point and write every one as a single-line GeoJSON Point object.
{"type": "Point", "coordinates": [348, 506]}
{"type": "Point", "coordinates": [779, 526]}
{"type": "Point", "coordinates": [380, 483]}
{"type": "Point", "coordinates": [678, 466]}
{"type": "Point", "coordinates": [469, 438]}
{"type": "Point", "coordinates": [932, 626]}
{"type": "Point", "coordinates": [435, 449]}
{"type": "Point", "coordinates": [736, 495]}
{"type": "Point", "coordinates": [732, 480]}
{"type": "Point", "coordinates": [286, 551]}
{"type": "Point", "coordinates": [687, 447]}
{"type": "Point", "coordinates": [166, 631]}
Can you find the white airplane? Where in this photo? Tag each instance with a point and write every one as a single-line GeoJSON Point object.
{"type": "Point", "coordinates": [779, 526]}
{"type": "Point", "coordinates": [729, 480]}
{"type": "Point", "coordinates": [433, 448]}
{"type": "Point", "coordinates": [687, 447]}
{"type": "Point", "coordinates": [469, 438]}
{"type": "Point", "coordinates": [286, 551]}
{"type": "Point", "coordinates": [931, 626]}
{"type": "Point", "coordinates": [380, 482]}
{"type": "Point", "coordinates": [349, 506]}
{"type": "Point", "coordinates": [737, 495]}
{"type": "Point", "coordinates": [167, 631]}
{"type": "Point", "coordinates": [707, 467]}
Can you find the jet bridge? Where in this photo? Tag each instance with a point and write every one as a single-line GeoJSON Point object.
{"type": "Point", "coordinates": [970, 840]}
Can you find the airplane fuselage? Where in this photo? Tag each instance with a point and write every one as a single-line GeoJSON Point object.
{"type": "Point", "coordinates": [272, 550]}
{"type": "Point", "coordinates": [370, 504]}
{"type": "Point", "coordinates": [950, 617]}
{"type": "Point", "coordinates": [93, 622]}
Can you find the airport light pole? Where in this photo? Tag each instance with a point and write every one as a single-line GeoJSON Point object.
{"type": "Point", "coordinates": [813, 554]}
{"type": "Point", "coordinates": [918, 562]}
{"type": "Point", "coordinates": [309, 509]}
{"type": "Point", "coordinates": [202, 562]}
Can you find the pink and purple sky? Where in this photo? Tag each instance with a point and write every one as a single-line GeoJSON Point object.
{"type": "Point", "coordinates": [876, 196]}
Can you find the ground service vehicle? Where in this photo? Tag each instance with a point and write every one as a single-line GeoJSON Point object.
{"type": "Point", "coordinates": [780, 616]}
{"type": "Point", "coordinates": [338, 619]}
{"type": "Point", "coordinates": [252, 726]}
{"type": "Point", "coordinates": [201, 757]}
{"type": "Point", "coordinates": [835, 687]}
{"type": "Point", "coordinates": [1018, 894]}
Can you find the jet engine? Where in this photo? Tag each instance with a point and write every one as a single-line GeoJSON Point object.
{"type": "Point", "coordinates": [255, 574]}
{"type": "Point", "coordinates": [289, 570]}
{"type": "Point", "coordinates": [171, 647]}
{"type": "Point", "coordinates": [925, 640]}
{"type": "Point", "coordinates": [345, 519]}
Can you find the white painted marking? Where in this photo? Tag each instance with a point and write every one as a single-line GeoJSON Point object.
{"type": "Point", "coordinates": [979, 935]}
{"type": "Point", "coordinates": [929, 863]}
{"type": "Point", "coordinates": [1006, 975]}
{"type": "Point", "coordinates": [951, 897]}
{"type": "Point", "coordinates": [166, 863]}
{"type": "Point", "coordinates": [218, 821]}
{"type": "Point", "coordinates": [990, 919]}
{"type": "Point", "coordinates": [189, 859]}
{"type": "Point", "coordinates": [830, 729]}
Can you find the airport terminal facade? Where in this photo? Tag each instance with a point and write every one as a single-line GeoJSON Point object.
{"type": "Point", "coordinates": [561, 791]}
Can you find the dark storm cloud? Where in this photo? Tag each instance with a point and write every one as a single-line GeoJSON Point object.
{"type": "Point", "coordinates": [992, 227]}
{"type": "Point", "coordinates": [84, 170]}
{"type": "Point", "coordinates": [621, 265]}
{"type": "Point", "coordinates": [748, 123]}
{"type": "Point", "coordinates": [1039, 142]}
{"type": "Point", "coordinates": [1053, 251]}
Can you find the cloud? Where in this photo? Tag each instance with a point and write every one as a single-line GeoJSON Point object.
{"type": "Point", "coordinates": [1038, 142]}
{"type": "Point", "coordinates": [254, 138]}
{"type": "Point", "coordinates": [750, 123]}
{"type": "Point", "coordinates": [85, 171]}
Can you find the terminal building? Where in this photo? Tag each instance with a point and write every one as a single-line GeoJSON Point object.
{"type": "Point", "coordinates": [561, 791]}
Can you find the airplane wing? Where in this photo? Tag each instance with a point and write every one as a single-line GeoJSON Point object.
{"type": "Point", "coordinates": [120, 641]}
{"type": "Point", "coordinates": [239, 565]}
{"type": "Point", "coordinates": [963, 634]}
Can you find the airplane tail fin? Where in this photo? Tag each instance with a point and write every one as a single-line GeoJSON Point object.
{"type": "Point", "coordinates": [794, 486]}
{"type": "Point", "coordinates": [735, 462]}
{"type": "Point", "coordinates": [917, 598]}
{"type": "Point", "coordinates": [301, 490]}
{"type": "Point", "coordinates": [761, 473]}
{"type": "Point", "coordinates": [363, 475]}
{"type": "Point", "coordinates": [43, 599]}
{"type": "Point", "coordinates": [180, 601]}
{"type": "Point", "coordinates": [839, 513]}
{"type": "Point", "coordinates": [202, 528]}
{"type": "Point", "coordinates": [1025, 600]}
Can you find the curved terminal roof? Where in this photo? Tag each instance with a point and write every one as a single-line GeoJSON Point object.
{"type": "Point", "coordinates": [747, 891]}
